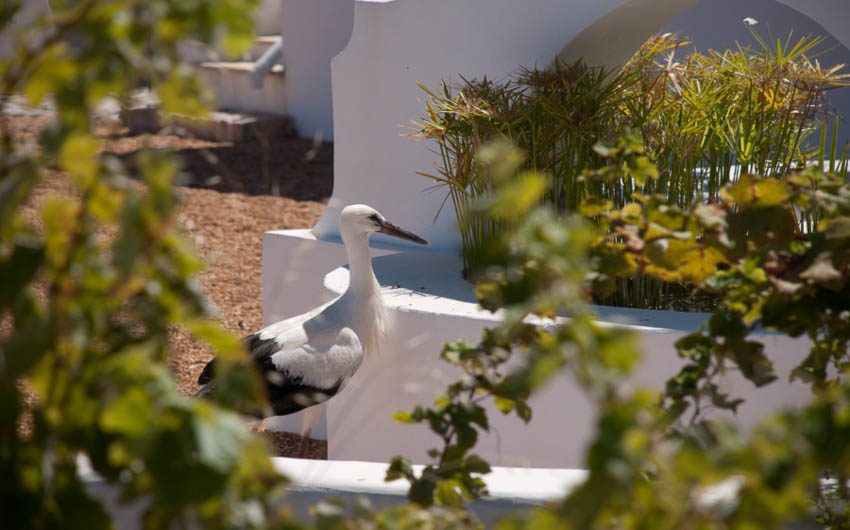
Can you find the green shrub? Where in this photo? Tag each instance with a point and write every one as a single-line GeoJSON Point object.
{"type": "Point", "coordinates": [705, 120]}
{"type": "Point", "coordinates": [650, 464]}
{"type": "Point", "coordinates": [91, 287]}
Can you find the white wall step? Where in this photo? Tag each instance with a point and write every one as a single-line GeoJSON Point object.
{"type": "Point", "coordinates": [231, 81]}
{"type": "Point", "coordinates": [238, 66]}
{"type": "Point", "coordinates": [195, 52]}
{"type": "Point", "coordinates": [217, 126]}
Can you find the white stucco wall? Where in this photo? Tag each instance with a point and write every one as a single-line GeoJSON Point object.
{"type": "Point", "coordinates": [317, 30]}
{"type": "Point", "coordinates": [398, 43]}
{"type": "Point", "coordinates": [832, 15]}
{"type": "Point", "coordinates": [394, 45]}
{"type": "Point", "coordinates": [611, 39]}
{"type": "Point", "coordinates": [313, 32]}
{"type": "Point", "coordinates": [430, 304]}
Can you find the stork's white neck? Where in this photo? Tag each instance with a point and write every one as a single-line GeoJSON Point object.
{"type": "Point", "coordinates": [362, 281]}
{"type": "Point", "coordinates": [363, 297]}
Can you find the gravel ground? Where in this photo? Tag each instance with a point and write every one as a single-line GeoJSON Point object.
{"type": "Point", "coordinates": [233, 193]}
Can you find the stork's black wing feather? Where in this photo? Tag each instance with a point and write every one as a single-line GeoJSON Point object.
{"type": "Point", "coordinates": [286, 394]}
{"type": "Point", "coordinates": [259, 349]}
{"type": "Point", "coordinates": [207, 373]}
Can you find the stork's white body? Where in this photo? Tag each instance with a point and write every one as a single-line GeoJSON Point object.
{"type": "Point", "coordinates": [326, 346]}
{"type": "Point", "coordinates": [322, 346]}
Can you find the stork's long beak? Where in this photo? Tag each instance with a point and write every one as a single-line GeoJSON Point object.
{"type": "Point", "coordinates": [397, 231]}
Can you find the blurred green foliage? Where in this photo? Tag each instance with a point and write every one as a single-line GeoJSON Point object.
{"type": "Point", "coordinates": [93, 285]}
{"type": "Point", "coordinates": [649, 468]}
{"type": "Point", "coordinates": [748, 250]}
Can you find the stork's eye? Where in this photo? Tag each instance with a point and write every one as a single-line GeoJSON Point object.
{"type": "Point", "coordinates": [375, 219]}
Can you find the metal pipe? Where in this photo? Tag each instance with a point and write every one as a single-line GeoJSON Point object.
{"type": "Point", "coordinates": [265, 63]}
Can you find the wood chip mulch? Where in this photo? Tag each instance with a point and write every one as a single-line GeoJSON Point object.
{"type": "Point", "coordinates": [233, 194]}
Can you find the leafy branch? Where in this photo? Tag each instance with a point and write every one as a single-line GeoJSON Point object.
{"type": "Point", "coordinates": [765, 271]}
{"type": "Point", "coordinates": [92, 288]}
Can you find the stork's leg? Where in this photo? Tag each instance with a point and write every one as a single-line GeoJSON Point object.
{"type": "Point", "coordinates": [305, 445]}
{"type": "Point", "coordinates": [310, 416]}
{"type": "Point", "coordinates": [255, 427]}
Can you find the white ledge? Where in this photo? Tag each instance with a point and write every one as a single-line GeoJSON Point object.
{"type": "Point", "coordinates": [510, 489]}
{"type": "Point", "coordinates": [431, 284]}
{"type": "Point", "coordinates": [431, 303]}
{"type": "Point", "coordinates": [518, 485]}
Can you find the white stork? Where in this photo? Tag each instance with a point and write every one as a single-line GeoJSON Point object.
{"type": "Point", "coordinates": [308, 359]}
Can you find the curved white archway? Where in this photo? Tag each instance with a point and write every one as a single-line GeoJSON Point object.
{"type": "Point", "coordinates": [832, 15]}
{"type": "Point", "coordinates": [612, 38]}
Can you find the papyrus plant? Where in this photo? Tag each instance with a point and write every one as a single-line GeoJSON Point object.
{"type": "Point", "coordinates": [705, 119]}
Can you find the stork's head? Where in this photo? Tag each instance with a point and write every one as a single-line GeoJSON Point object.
{"type": "Point", "coordinates": [362, 220]}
